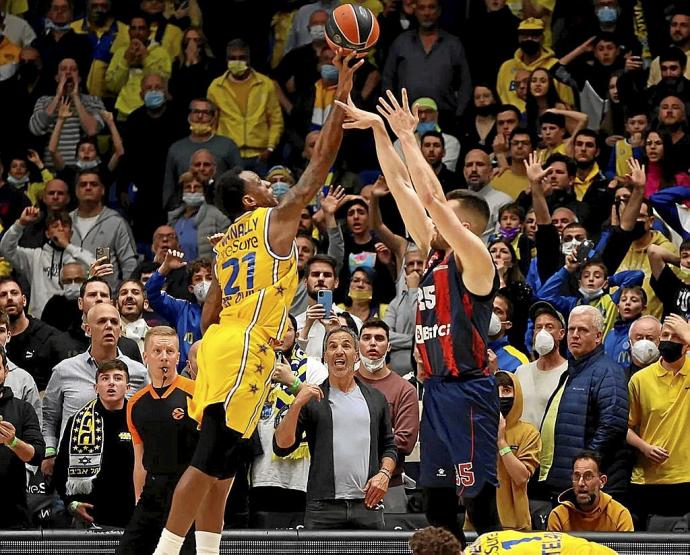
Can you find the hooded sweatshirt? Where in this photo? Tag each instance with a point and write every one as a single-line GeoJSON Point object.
{"type": "Point", "coordinates": [608, 516]}
{"type": "Point", "coordinates": [42, 266]}
{"type": "Point", "coordinates": [525, 442]}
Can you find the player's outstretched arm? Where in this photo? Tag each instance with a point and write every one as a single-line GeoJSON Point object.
{"type": "Point", "coordinates": [477, 265]}
{"type": "Point", "coordinates": [285, 217]}
{"type": "Point", "coordinates": [397, 177]}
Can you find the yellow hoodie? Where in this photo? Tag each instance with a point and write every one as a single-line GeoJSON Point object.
{"type": "Point", "coordinates": [509, 542]}
{"type": "Point", "coordinates": [608, 516]}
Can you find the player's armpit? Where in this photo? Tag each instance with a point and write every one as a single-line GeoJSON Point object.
{"type": "Point", "coordinates": [210, 313]}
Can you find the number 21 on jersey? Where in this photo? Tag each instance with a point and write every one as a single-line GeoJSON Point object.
{"type": "Point", "coordinates": [241, 274]}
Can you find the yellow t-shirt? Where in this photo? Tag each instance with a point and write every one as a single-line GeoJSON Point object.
{"type": "Point", "coordinates": [548, 434]}
{"type": "Point", "coordinates": [660, 413]}
{"type": "Point", "coordinates": [508, 542]}
{"type": "Point", "coordinates": [510, 183]}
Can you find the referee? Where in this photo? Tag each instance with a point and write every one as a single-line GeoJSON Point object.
{"type": "Point", "coordinates": [164, 439]}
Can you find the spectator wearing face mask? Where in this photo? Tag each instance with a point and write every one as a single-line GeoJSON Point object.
{"type": "Point", "coordinates": [63, 308]}
{"type": "Point", "coordinates": [20, 176]}
{"type": "Point", "coordinates": [645, 334]}
{"type": "Point", "coordinates": [508, 358]}
{"type": "Point", "coordinates": [631, 304]}
{"type": "Point", "coordinates": [196, 220]}
{"type": "Point", "coordinates": [183, 314]}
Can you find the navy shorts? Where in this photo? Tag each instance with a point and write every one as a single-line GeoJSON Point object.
{"type": "Point", "coordinates": [458, 434]}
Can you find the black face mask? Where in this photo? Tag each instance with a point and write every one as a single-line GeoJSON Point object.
{"type": "Point", "coordinates": [638, 231]}
{"type": "Point", "coordinates": [505, 404]}
{"type": "Point", "coordinates": [530, 47]}
{"type": "Point", "coordinates": [670, 351]}
{"type": "Point", "coordinates": [99, 17]}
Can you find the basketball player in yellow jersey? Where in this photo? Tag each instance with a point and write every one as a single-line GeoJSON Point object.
{"type": "Point", "coordinates": [245, 311]}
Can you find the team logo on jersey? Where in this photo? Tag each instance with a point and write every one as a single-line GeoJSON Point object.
{"type": "Point", "coordinates": [178, 413]}
{"type": "Point", "coordinates": [441, 473]}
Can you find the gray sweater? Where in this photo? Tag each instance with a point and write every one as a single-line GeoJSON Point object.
{"type": "Point", "coordinates": [23, 387]}
{"type": "Point", "coordinates": [208, 220]}
{"type": "Point", "coordinates": [401, 319]}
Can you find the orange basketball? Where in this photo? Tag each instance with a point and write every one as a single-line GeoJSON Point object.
{"type": "Point", "coordinates": [351, 28]}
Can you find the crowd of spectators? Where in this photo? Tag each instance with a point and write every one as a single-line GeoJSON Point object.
{"type": "Point", "coordinates": [570, 119]}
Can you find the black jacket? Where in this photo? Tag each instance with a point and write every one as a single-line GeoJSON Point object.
{"type": "Point", "coordinates": [316, 421]}
{"type": "Point", "coordinates": [112, 495]}
{"type": "Point", "coordinates": [31, 350]}
{"type": "Point", "coordinates": [13, 509]}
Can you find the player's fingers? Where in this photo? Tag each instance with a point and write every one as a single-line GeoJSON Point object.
{"type": "Point", "coordinates": [384, 104]}
{"type": "Point", "coordinates": [394, 101]}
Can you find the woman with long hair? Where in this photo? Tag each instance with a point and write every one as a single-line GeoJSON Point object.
{"type": "Point", "coordinates": [541, 96]}
{"type": "Point", "coordinates": [361, 301]}
{"type": "Point", "coordinates": [663, 169]}
{"type": "Point", "coordinates": [479, 128]}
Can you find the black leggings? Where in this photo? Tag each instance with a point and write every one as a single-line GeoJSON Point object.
{"type": "Point", "coordinates": [442, 507]}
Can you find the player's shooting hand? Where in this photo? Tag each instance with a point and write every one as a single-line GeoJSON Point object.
{"type": "Point", "coordinates": [399, 116]}
{"type": "Point", "coordinates": [346, 71]}
{"type": "Point", "coordinates": [375, 489]}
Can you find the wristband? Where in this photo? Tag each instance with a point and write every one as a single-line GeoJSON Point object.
{"type": "Point", "coordinates": [295, 386]}
{"type": "Point", "coordinates": [50, 452]}
{"type": "Point", "coordinates": [12, 444]}
{"type": "Point", "coordinates": [385, 472]}
{"type": "Point", "coordinates": [73, 506]}
{"type": "Point", "coordinates": [503, 452]}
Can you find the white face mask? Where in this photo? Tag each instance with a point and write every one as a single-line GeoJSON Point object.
{"type": "Point", "coordinates": [71, 291]}
{"type": "Point", "coordinates": [372, 365]}
{"type": "Point", "coordinates": [201, 291]}
{"type": "Point", "coordinates": [645, 351]}
{"type": "Point", "coordinates": [569, 246]}
{"type": "Point", "coordinates": [317, 32]}
{"type": "Point", "coordinates": [494, 325]}
{"type": "Point", "coordinates": [544, 343]}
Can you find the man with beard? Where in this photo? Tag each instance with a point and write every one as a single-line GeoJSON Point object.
{"type": "Point", "coordinates": [679, 30]}
{"type": "Point", "coordinates": [434, 149]}
{"type": "Point", "coordinates": [30, 346]}
{"type": "Point", "coordinates": [374, 347]}
{"type": "Point", "coordinates": [131, 303]}
{"type": "Point", "coordinates": [673, 120]}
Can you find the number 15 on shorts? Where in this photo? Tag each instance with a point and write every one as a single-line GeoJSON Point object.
{"type": "Point", "coordinates": [464, 476]}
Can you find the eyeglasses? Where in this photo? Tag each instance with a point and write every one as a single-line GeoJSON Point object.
{"type": "Point", "coordinates": [520, 143]}
{"type": "Point", "coordinates": [201, 112]}
{"type": "Point", "coordinates": [587, 477]}
{"type": "Point", "coordinates": [168, 236]}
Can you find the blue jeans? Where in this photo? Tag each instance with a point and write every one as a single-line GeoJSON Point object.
{"type": "Point", "coordinates": [342, 514]}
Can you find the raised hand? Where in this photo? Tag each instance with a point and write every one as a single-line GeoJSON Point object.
{"type": "Point", "coordinates": [399, 116]}
{"type": "Point", "coordinates": [380, 188]}
{"type": "Point", "coordinates": [64, 108]}
{"type": "Point", "coordinates": [331, 201]}
{"type": "Point", "coordinates": [108, 117]}
{"type": "Point", "coordinates": [355, 118]}
{"type": "Point", "coordinates": [383, 253]}
{"type": "Point", "coordinates": [535, 173]}
{"type": "Point", "coordinates": [637, 175]}
{"type": "Point", "coordinates": [306, 393]}
{"type": "Point", "coordinates": [34, 158]}
{"type": "Point", "coordinates": [173, 261]}
{"type": "Point", "coordinates": [679, 327]}
{"type": "Point", "coordinates": [345, 71]}
{"type": "Point", "coordinates": [29, 215]}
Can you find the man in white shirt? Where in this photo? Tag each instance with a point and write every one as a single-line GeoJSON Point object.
{"type": "Point", "coordinates": [539, 379]}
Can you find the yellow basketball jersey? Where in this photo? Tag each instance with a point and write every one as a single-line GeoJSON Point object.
{"type": "Point", "coordinates": [257, 285]}
{"type": "Point", "coordinates": [509, 542]}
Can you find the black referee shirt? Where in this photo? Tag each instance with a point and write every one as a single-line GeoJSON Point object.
{"type": "Point", "coordinates": [162, 424]}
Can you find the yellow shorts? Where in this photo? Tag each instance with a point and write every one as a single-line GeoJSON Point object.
{"type": "Point", "coordinates": [235, 369]}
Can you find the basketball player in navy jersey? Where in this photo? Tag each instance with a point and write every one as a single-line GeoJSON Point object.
{"type": "Point", "coordinates": [461, 411]}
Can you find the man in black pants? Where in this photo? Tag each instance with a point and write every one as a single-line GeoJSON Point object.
{"type": "Point", "coordinates": [164, 438]}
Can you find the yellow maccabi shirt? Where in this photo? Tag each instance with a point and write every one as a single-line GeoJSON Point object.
{"type": "Point", "coordinates": [509, 542]}
{"type": "Point", "coordinates": [581, 185]}
{"type": "Point", "coordinates": [510, 183]}
{"type": "Point", "coordinates": [548, 434]}
{"type": "Point", "coordinates": [660, 414]}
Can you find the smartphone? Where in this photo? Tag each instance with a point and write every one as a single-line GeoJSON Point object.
{"type": "Point", "coordinates": [325, 298]}
{"type": "Point", "coordinates": [102, 252]}
{"type": "Point", "coordinates": [582, 251]}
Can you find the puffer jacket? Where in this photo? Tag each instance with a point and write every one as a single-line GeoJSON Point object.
{"type": "Point", "coordinates": [592, 415]}
{"type": "Point", "coordinates": [208, 221]}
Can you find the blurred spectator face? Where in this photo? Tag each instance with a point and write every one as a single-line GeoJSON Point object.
{"type": "Point", "coordinates": [357, 219]}
{"type": "Point", "coordinates": [560, 218]}
{"type": "Point", "coordinates": [60, 12]}
{"type": "Point", "coordinates": [483, 97]}
{"type": "Point", "coordinates": [530, 227]}
{"type": "Point", "coordinates": [593, 278]}
{"type": "Point", "coordinates": [522, 80]}
{"type": "Point", "coordinates": [530, 41]}
{"type": "Point", "coordinates": [559, 178]}
{"type": "Point", "coordinates": [630, 305]}
{"type": "Point", "coordinates": [309, 143]}
{"type": "Point", "coordinates": [520, 147]}
{"type": "Point", "coordinates": [201, 112]}
{"type": "Point", "coordinates": [509, 220]}
{"type": "Point", "coordinates": [145, 277]}
{"type": "Point", "coordinates": [672, 111]}
{"type": "Point", "coordinates": [671, 71]}
{"type": "Point", "coordinates": [305, 250]}
{"type": "Point", "coordinates": [321, 276]}
{"type": "Point", "coordinates": [152, 7]}
{"type": "Point", "coordinates": [685, 258]}
{"type": "Point", "coordinates": [680, 29]}
{"type": "Point", "coordinates": [494, 5]}
{"type": "Point", "coordinates": [552, 135]}
{"type": "Point", "coordinates": [636, 124]}
{"type": "Point", "coordinates": [11, 300]}
{"type": "Point", "coordinates": [57, 227]}
{"type": "Point", "coordinates": [288, 339]}
{"type": "Point", "coordinates": [191, 364]}
{"type": "Point", "coordinates": [317, 26]}
{"type": "Point", "coordinates": [139, 29]}
{"type": "Point", "coordinates": [606, 52]}
{"type": "Point", "coordinates": [414, 262]}
{"type": "Point", "coordinates": [325, 58]}
{"type": "Point", "coordinates": [68, 68]}
{"type": "Point", "coordinates": [613, 89]}
{"type": "Point", "coordinates": [203, 164]}
{"type": "Point", "coordinates": [587, 482]}
{"type": "Point", "coordinates": [539, 83]}
{"type": "Point", "coordinates": [72, 274]}
{"type": "Point", "coordinates": [477, 169]}
{"type": "Point", "coordinates": [89, 188]}
{"type": "Point", "coordinates": [646, 328]}
{"type": "Point", "coordinates": [4, 338]}
{"type": "Point", "coordinates": [164, 239]}
{"type": "Point", "coordinates": [98, 11]}
{"type": "Point", "coordinates": [111, 386]}
{"type": "Point", "coordinates": [18, 168]}
{"type": "Point", "coordinates": [427, 13]}
{"type": "Point", "coordinates": [95, 292]}
{"type": "Point", "coordinates": [201, 275]}
{"type": "Point", "coordinates": [501, 256]}
{"type": "Point", "coordinates": [340, 354]}
{"type": "Point", "coordinates": [373, 343]}
{"type": "Point", "coordinates": [501, 310]}
{"type": "Point", "coordinates": [130, 300]}
{"type": "Point", "coordinates": [152, 82]}
{"type": "Point", "coordinates": [193, 186]}
{"type": "Point", "coordinates": [306, 223]}
{"type": "Point", "coordinates": [433, 151]}
{"type": "Point", "coordinates": [103, 325]}
{"type": "Point", "coordinates": [583, 336]}
{"type": "Point", "coordinates": [56, 194]}
{"type": "Point", "coordinates": [427, 114]}
{"type": "Point", "coordinates": [361, 283]}
{"type": "Point", "coordinates": [585, 149]}
{"type": "Point", "coordinates": [506, 122]}
{"type": "Point", "coordinates": [86, 152]}
{"type": "Point", "coordinates": [551, 325]}
{"type": "Point", "coordinates": [574, 233]}
{"type": "Point", "coordinates": [654, 147]}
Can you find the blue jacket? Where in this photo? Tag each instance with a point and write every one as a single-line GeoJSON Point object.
{"type": "Point", "coordinates": [617, 343]}
{"type": "Point", "coordinates": [507, 356]}
{"type": "Point", "coordinates": [592, 415]}
{"type": "Point", "coordinates": [182, 314]}
{"type": "Point", "coordinates": [664, 202]}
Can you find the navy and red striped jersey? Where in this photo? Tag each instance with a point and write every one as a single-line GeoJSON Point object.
{"type": "Point", "coordinates": [452, 323]}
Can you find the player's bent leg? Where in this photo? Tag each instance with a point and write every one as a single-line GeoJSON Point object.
{"type": "Point", "coordinates": [483, 511]}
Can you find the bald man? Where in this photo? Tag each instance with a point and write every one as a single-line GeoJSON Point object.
{"type": "Point", "coordinates": [71, 383]}
{"type": "Point", "coordinates": [477, 171]}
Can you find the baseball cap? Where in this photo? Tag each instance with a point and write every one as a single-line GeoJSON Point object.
{"type": "Point", "coordinates": [543, 307]}
{"type": "Point", "coordinates": [426, 102]}
{"type": "Point", "coordinates": [531, 24]}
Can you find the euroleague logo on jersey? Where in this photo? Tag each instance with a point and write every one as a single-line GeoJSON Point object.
{"type": "Point", "coordinates": [178, 413]}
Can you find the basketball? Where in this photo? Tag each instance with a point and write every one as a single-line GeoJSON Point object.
{"type": "Point", "coordinates": [352, 28]}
